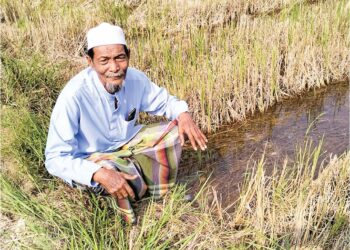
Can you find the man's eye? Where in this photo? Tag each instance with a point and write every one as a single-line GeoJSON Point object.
{"type": "Point", "coordinates": [120, 58]}
{"type": "Point", "coordinates": [103, 61]}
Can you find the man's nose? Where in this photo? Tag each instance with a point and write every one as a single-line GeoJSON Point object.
{"type": "Point", "coordinates": [114, 66]}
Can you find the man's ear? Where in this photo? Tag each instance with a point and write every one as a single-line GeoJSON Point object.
{"type": "Point", "coordinates": [89, 60]}
{"type": "Point", "coordinates": [128, 54]}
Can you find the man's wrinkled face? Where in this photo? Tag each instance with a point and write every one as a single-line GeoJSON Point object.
{"type": "Point", "coordinates": [111, 63]}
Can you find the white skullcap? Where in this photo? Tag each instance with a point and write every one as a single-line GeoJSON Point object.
{"type": "Point", "coordinates": [105, 34]}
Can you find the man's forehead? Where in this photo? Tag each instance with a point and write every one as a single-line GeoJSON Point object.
{"type": "Point", "coordinates": [108, 50]}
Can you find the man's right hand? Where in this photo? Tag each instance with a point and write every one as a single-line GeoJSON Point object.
{"type": "Point", "coordinates": [115, 182]}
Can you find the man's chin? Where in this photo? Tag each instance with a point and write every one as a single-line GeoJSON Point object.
{"type": "Point", "coordinates": [113, 87]}
{"type": "Point", "coordinates": [117, 83]}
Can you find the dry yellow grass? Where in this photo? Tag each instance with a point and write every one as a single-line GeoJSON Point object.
{"type": "Point", "coordinates": [226, 58]}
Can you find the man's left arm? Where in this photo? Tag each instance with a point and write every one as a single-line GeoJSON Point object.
{"type": "Point", "coordinates": [157, 101]}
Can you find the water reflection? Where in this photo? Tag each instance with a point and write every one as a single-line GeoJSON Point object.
{"type": "Point", "coordinates": [277, 132]}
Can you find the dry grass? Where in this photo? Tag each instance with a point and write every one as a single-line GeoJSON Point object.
{"type": "Point", "coordinates": [246, 65]}
{"type": "Point", "coordinates": [226, 59]}
{"type": "Point", "coordinates": [183, 16]}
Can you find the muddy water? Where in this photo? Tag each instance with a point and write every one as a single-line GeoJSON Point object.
{"type": "Point", "coordinates": [277, 132]}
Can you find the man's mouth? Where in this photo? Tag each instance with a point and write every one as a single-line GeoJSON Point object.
{"type": "Point", "coordinates": [117, 75]}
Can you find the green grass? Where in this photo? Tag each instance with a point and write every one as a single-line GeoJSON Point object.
{"type": "Point", "coordinates": [32, 82]}
{"type": "Point", "coordinates": [29, 89]}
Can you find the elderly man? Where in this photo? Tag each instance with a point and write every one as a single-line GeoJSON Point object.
{"type": "Point", "coordinates": [93, 140]}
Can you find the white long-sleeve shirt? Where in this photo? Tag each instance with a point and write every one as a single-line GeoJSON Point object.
{"type": "Point", "coordinates": [84, 120]}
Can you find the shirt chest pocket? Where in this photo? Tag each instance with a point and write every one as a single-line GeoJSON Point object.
{"type": "Point", "coordinates": [123, 129]}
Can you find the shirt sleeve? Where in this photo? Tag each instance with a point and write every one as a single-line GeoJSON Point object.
{"type": "Point", "coordinates": [61, 148]}
{"type": "Point", "coordinates": [157, 101]}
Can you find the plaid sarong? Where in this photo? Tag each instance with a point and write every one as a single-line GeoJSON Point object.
{"type": "Point", "coordinates": [153, 154]}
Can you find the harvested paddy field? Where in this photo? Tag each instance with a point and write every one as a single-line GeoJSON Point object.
{"type": "Point", "coordinates": [231, 61]}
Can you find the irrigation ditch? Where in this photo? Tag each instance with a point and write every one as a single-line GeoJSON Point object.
{"type": "Point", "coordinates": [321, 115]}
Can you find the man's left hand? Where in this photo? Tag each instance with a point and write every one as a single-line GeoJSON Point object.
{"type": "Point", "coordinates": [189, 128]}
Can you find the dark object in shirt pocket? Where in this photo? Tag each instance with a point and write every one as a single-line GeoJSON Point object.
{"type": "Point", "coordinates": [131, 115]}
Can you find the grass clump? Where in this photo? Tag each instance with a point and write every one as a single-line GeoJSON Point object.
{"type": "Point", "coordinates": [32, 82]}
{"type": "Point", "coordinates": [25, 140]}
{"type": "Point", "coordinates": [29, 89]}
{"type": "Point", "coordinates": [73, 223]}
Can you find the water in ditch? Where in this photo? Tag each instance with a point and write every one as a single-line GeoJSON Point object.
{"type": "Point", "coordinates": [276, 133]}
